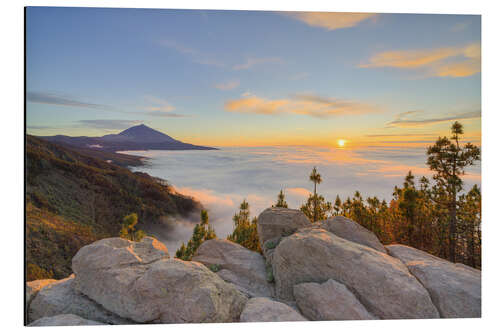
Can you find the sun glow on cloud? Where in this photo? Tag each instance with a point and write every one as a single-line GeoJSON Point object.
{"type": "Point", "coordinates": [310, 105]}
{"type": "Point", "coordinates": [441, 62]}
{"type": "Point", "coordinates": [332, 21]}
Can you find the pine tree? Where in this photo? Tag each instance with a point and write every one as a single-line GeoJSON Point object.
{"type": "Point", "coordinates": [448, 159]}
{"type": "Point", "coordinates": [337, 206]}
{"type": "Point", "coordinates": [128, 228]}
{"type": "Point", "coordinates": [316, 207]}
{"type": "Point", "coordinates": [281, 200]}
{"type": "Point", "coordinates": [408, 206]}
{"type": "Point", "coordinates": [315, 177]}
{"type": "Point", "coordinates": [245, 231]}
{"type": "Point", "coordinates": [202, 231]}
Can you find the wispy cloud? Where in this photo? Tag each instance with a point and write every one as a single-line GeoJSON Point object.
{"type": "Point", "coordinates": [158, 104]}
{"type": "Point", "coordinates": [55, 99]}
{"type": "Point", "coordinates": [331, 21]}
{"type": "Point", "coordinates": [304, 104]}
{"type": "Point", "coordinates": [402, 120]}
{"type": "Point", "coordinates": [441, 62]}
{"type": "Point", "coordinates": [251, 62]}
{"type": "Point", "coordinates": [195, 55]}
{"type": "Point", "coordinates": [300, 76]}
{"type": "Point", "coordinates": [109, 124]}
{"type": "Point", "coordinates": [229, 85]}
{"type": "Point", "coordinates": [159, 107]}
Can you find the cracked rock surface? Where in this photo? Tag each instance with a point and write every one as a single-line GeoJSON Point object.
{"type": "Point", "coordinates": [139, 282]}
{"type": "Point", "coordinates": [454, 288]}
{"type": "Point", "coordinates": [382, 283]}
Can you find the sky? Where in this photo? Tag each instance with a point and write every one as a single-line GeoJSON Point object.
{"type": "Point", "coordinates": [246, 78]}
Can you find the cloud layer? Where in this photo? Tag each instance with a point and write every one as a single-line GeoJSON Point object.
{"type": "Point", "coordinates": [332, 21]}
{"type": "Point", "coordinates": [303, 104]}
{"type": "Point", "coordinates": [440, 62]}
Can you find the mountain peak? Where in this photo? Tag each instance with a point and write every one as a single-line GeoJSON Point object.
{"type": "Point", "coordinates": [143, 133]}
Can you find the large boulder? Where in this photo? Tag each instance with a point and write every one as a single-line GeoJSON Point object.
{"type": "Point", "coordinates": [454, 288]}
{"type": "Point", "coordinates": [261, 309]}
{"type": "Point", "coordinates": [136, 281]}
{"type": "Point", "coordinates": [329, 301]}
{"type": "Point", "coordinates": [63, 320]}
{"type": "Point", "coordinates": [275, 223]}
{"type": "Point", "coordinates": [382, 283]}
{"type": "Point", "coordinates": [237, 265]}
{"type": "Point", "coordinates": [60, 298]}
{"type": "Point", "coordinates": [33, 287]}
{"type": "Point", "coordinates": [352, 231]}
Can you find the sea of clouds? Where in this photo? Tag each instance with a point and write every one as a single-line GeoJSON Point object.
{"type": "Point", "coordinates": [221, 179]}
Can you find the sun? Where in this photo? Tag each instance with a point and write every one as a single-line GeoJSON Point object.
{"type": "Point", "coordinates": [341, 142]}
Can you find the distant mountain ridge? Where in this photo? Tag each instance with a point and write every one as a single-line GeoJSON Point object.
{"type": "Point", "coordinates": [140, 137]}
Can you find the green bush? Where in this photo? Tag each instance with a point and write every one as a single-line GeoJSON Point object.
{"type": "Point", "coordinates": [214, 268]}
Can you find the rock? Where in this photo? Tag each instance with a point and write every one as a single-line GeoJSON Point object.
{"type": "Point", "coordinates": [275, 223]}
{"type": "Point", "coordinates": [261, 309]}
{"type": "Point", "coordinates": [237, 265]}
{"type": "Point", "coordinates": [329, 301]}
{"type": "Point", "coordinates": [144, 286]}
{"type": "Point", "coordinates": [60, 298]}
{"type": "Point", "coordinates": [63, 320]}
{"type": "Point", "coordinates": [119, 252]}
{"type": "Point", "coordinates": [33, 287]}
{"type": "Point", "coordinates": [381, 283]}
{"type": "Point", "coordinates": [352, 231]}
{"type": "Point", "coordinates": [454, 288]}
{"type": "Point", "coordinates": [177, 291]}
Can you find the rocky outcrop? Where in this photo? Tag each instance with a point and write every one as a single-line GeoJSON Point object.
{"type": "Point", "coordinates": [261, 309]}
{"type": "Point", "coordinates": [352, 231]}
{"type": "Point", "coordinates": [137, 281]}
{"type": "Point", "coordinates": [33, 287]}
{"type": "Point", "coordinates": [329, 270]}
{"type": "Point", "coordinates": [64, 320]}
{"type": "Point", "coordinates": [454, 288]}
{"type": "Point", "coordinates": [382, 283]}
{"type": "Point", "coordinates": [237, 265]}
{"type": "Point", "coordinates": [275, 223]}
{"type": "Point", "coordinates": [329, 301]}
{"type": "Point", "coordinates": [59, 298]}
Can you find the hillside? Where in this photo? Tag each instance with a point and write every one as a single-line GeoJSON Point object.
{"type": "Point", "coordinates": [73, 199]}
{"type": "Point", "coordinates": [140, 137]}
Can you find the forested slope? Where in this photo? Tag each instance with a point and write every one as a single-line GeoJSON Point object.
{"type": "Point", "coordinates": [73, 199]}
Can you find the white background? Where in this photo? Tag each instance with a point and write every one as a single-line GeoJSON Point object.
{"type": "Point", "coordinates": [11, 133]}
